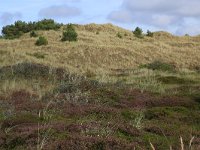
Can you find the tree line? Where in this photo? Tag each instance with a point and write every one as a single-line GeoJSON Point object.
{"type": "Point", "coordinates": [20, 27]}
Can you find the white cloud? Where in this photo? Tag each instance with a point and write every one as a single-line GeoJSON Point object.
{"type": "Point", "coordinates": [160, 14]}
{"type": "Point", "coordinates": [163, 20]}
{"type": "Point", "coordinates": [121, 16]}
{"type": "Point", "coordinates": [59, 11]}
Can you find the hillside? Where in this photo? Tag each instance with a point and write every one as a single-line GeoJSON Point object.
{"type": "Point", "coordinates": [105, 51]}
{"type": "Point", "coordinates": [101, 92]}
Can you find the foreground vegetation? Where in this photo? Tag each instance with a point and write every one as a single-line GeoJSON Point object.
{"type": "Point", "coordinates": [111, 89]}
{"type": "Point", "coordinates": [50, 108]}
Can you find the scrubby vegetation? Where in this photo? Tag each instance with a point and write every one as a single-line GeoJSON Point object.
{"type": "Point", "coordinates": [41, 41]}
{"type": "Point", "coordinates": [20, 27]}
{"type": "Point", "coordinates": [69, 34]}
{"type": "Point", "coordinates": [51, 108]}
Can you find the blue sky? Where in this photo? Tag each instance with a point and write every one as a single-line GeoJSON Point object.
{"type": "Point", "coordinates": [178, 17]}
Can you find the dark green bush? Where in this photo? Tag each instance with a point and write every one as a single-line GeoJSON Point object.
{"type": "Point", "coordinates": [149, 33]}
{"type": "Point", "coordinates": [41, 41]}
{"type": "Point", "coordinates": [46, 24]}
{"type": "Point", "coordinates": [19, 27]}
{"type": "Point", "coordinates": [70, 34]}
{"type": "Point", "coordinates": [138, 32]}
{"type": "Point", "coordinates": [33, 34]}
{"type": "Point", "coordinates": [11, 32]}
{"type": "Point", "coordinates": [160, 65]}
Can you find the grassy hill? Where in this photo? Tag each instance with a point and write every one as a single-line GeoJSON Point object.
{"type": "Point", "coordinates": [101, 92]}
{"type": "Point", "coordinates": [104, 51]}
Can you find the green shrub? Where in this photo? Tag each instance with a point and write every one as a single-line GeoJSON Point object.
{"type": "Point", "coordinates": [19, 27]}
{"type": "Point", "coordinates": [41, 41]}
{"type": "Point", "coordinates": [119, 35]}
{"type": "Point", "coordinates": [11, 32]}
{"type": "Point", "coordinates": [70, 34]}
{"type": "Point", "coordinates": [149, 33]}
{"type": "Point", "coordinates": [138, 32]}
{"type": "Point", "coordinates": [33, 34]}
{"type": "Point", "coordinates": [159, 65]}
{"type": "Point", "coordinates": [46, 24]}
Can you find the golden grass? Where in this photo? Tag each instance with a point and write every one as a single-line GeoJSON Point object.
{"type": "Point", "coordinates": [103, 52]}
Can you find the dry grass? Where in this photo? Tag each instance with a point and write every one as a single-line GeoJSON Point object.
{"type": "Point", "coordinates": [103, 52]}
{"type": "Point", "coordinates": [32, 86]}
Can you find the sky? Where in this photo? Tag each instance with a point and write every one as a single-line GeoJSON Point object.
{"type": "Point", "coordinates": [178, 17]}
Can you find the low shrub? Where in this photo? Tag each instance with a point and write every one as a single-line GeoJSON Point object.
{"type": "Point", "coordinates": [70, 34]}
{"type": "Point", "coordinates": [41, 41]}
{"type": "Point", "coordinates": [138, 32]}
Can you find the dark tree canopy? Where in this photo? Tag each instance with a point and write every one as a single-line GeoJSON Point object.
{"type": "Point", "coordinates": [20, 27]}
{"type": "Point", "coordinates": [138, 32]}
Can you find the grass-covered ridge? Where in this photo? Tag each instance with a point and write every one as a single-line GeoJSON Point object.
{"type": "Point", "coordinates": [104, 52]}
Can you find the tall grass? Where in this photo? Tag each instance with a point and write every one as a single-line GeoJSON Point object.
{"type": "Point", "coordinates": [182, 145]}
{"type": "Point", "coordinates": [44, 127]}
